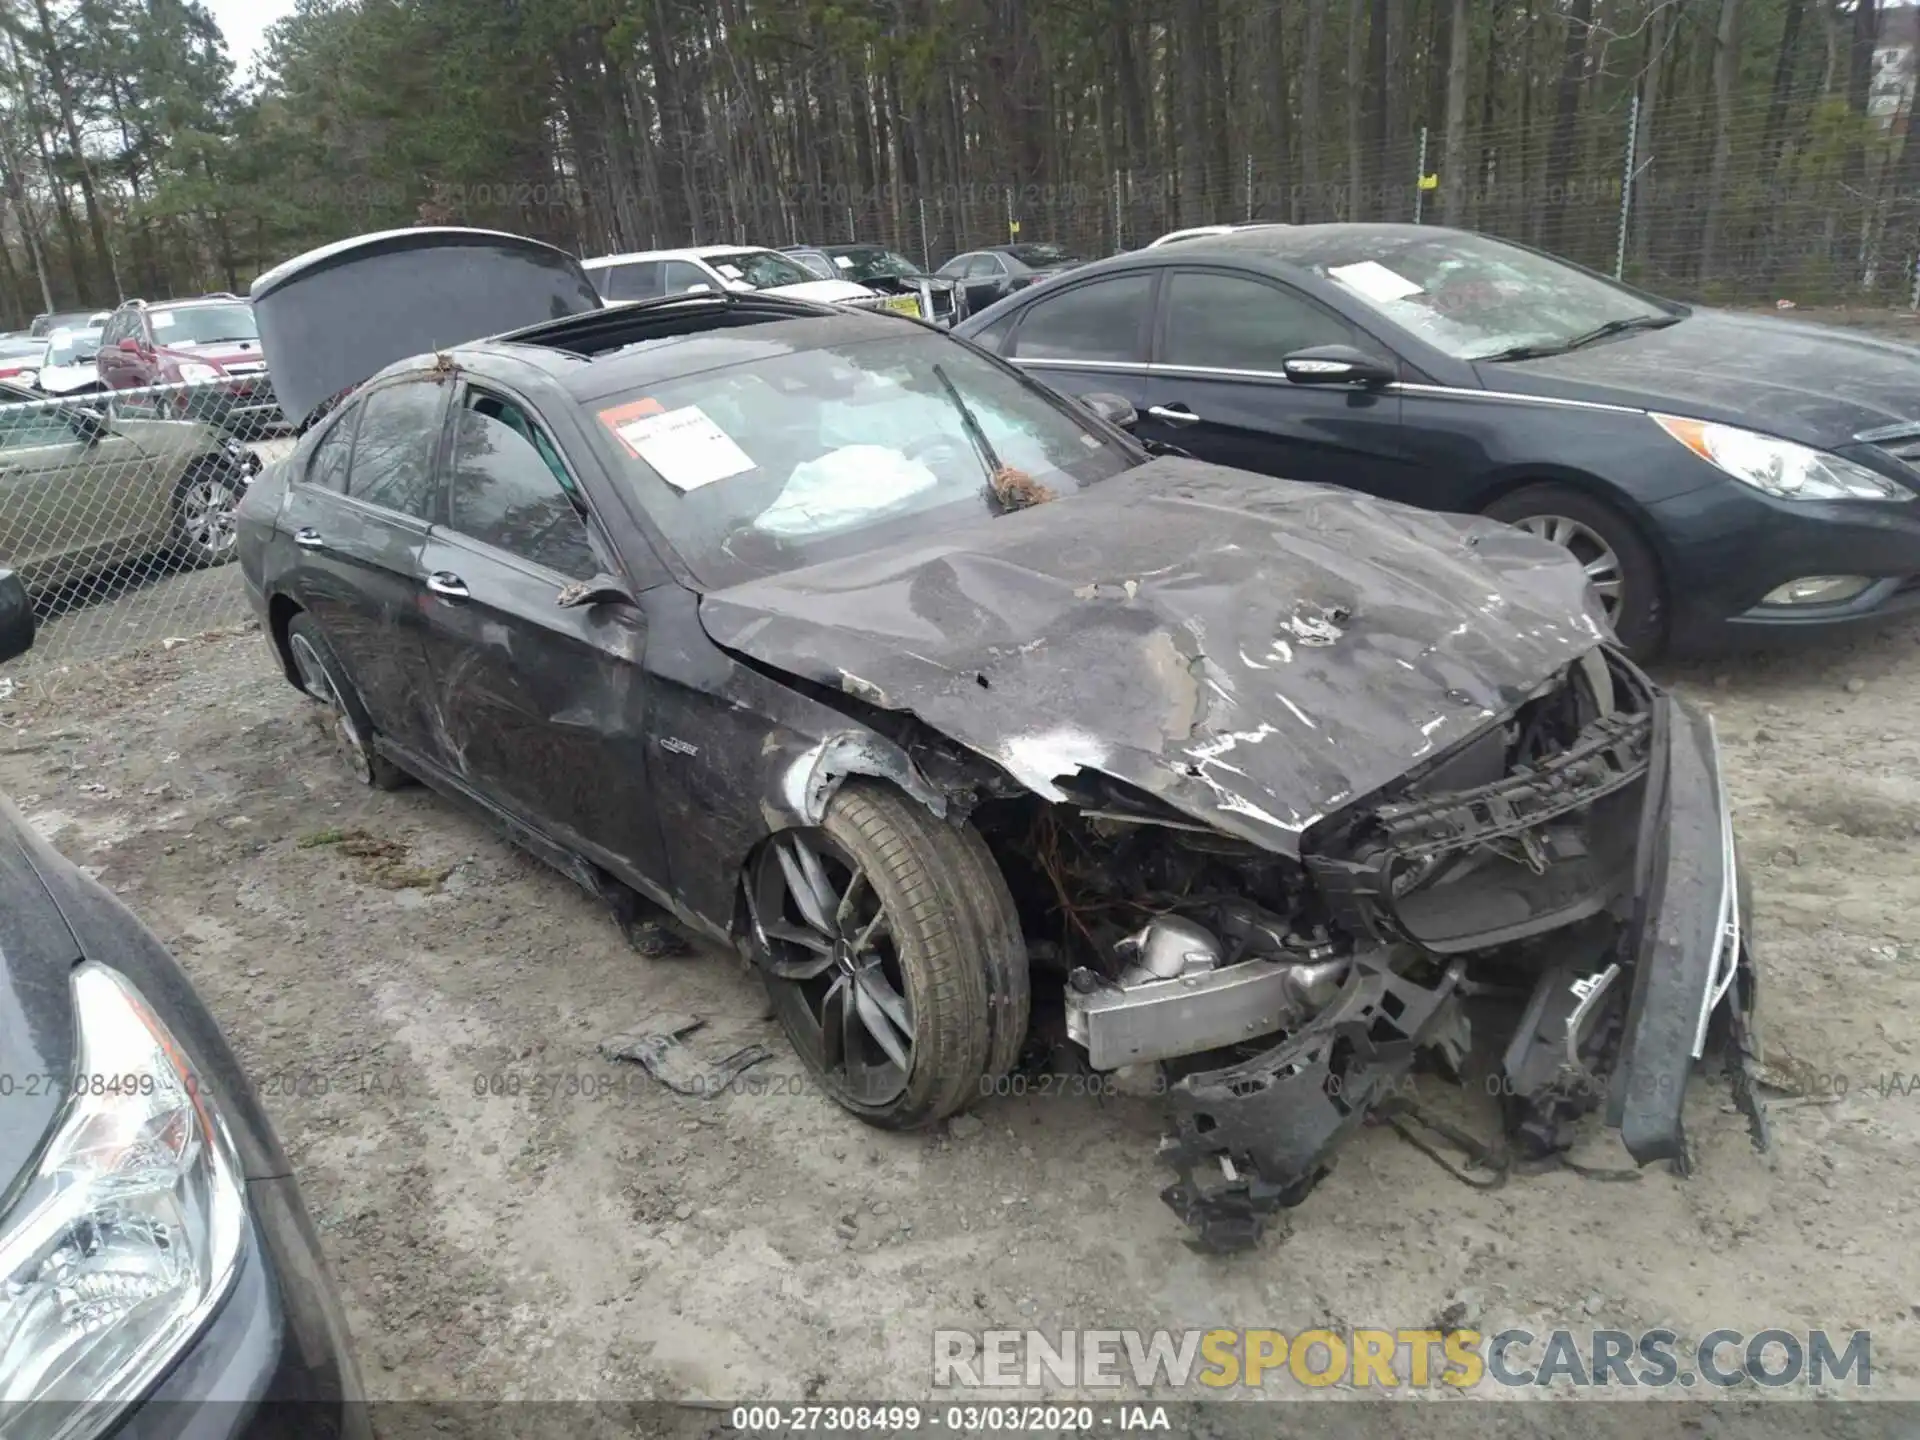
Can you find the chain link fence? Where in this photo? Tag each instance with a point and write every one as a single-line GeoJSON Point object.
{"type": "Point", "coordinates": [117, 511]}
{"type": "Point", "coordinates": [1785, 196]}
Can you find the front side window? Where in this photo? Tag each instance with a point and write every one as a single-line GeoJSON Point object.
{"type": "Point", "coordinates": [958, 268]}
{"type": "Point", "coordinates": [1098, 321]}
{"type": "Point", "coordinates": [680, 276]}
{"type": "Point", "coordinates": [34, 430]}
{"type": "Point", "coordinates": [1229, 322]}
{"type": "Point", "coordinates": [393, 452]}
{"type": "Point", "coordinates": [509, 489]}
{"type": "Point", "coordinates": [775, 463]}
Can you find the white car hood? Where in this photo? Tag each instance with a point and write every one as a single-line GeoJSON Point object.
{"type": "Point", "coordinates": [827, 291]}
{"type": "Point", "coordinates": [59, 379]}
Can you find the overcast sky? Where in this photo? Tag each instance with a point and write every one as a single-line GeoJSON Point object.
{"type": "Point", "coordinates": [244, 23]}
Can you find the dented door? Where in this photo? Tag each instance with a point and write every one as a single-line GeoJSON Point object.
{"type": "Point", "coordinates": [539, 708]}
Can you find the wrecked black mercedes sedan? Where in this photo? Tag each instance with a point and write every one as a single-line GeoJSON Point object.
{"type": "Point", "coordinates": [929, 691]}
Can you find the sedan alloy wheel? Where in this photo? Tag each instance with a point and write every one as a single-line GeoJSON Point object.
{"type": "Point", "coordinates": [829, 945]}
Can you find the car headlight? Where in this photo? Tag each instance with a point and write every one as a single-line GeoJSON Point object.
{"type": "Point", "coordinates": [194, 374]}
{"type": "Point", "coordinates": [1781, 468]}
{"type": "Point", "coordinates": [128, 1234]}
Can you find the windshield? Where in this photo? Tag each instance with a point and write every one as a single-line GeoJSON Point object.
{"type": "Point", "coordinates": [1475, 297]}
{"type": "Point", "coordinates": [204, 324]}
{"type": "Point", "coordinates": [774, 464]}
{"type": "Point", "coordinates": [68, 347]}
{"type": "Point", "coordinates": [874, 264]}
{"type": "Point", "coordinates": [759, 269]}
{"type": "Point", "coordinates": [1041, 254]}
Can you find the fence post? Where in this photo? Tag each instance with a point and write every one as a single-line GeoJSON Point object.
{"type": "Point", "coordinates": [1420, 181]}
{"type": "Point", "coordinates": [1626, 186]}
{"type": "Point", "coordinates": [926, 258]}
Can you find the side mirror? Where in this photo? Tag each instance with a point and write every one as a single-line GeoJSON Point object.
{"type": "Point", "coordinates": [16, 616]}
{"type": "Point", "coordinates": [89, 424]}
{"type": "Point", "coordinates": [130, 345]}
{"type": "Point", "coordinates": [1337, 365]}
{"type": "Point", "coordinates": [600, 590]}
{"type": "Point", "coordinates": [699, 288]}
{"type": "Point", "coordinates": [1114, 409]}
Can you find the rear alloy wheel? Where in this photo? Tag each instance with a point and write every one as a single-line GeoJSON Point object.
{"type": "Point", "coordinates": [203, 511]}
{"type": "Point", "coordinates": [321, 677]}
{"type": "Point", "coordinates": [891, 951]}
{"type": "Point", "coordinates": [1618, 563]}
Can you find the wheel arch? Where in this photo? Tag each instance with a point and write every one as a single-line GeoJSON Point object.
{"type": "Point", "coordinates": [1507, 482]}
{"type": "Point", "coordinates": [281, 609]}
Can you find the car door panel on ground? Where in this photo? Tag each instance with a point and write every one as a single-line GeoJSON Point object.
{"type": "Point", "coordinates": [360, 513]}
{"type": "Point", "coordinates": [540, 705]}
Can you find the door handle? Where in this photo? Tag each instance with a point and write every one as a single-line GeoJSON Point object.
{"type": "Point", "coordinates": [445, 582]}
{"type": "Point", "coordinates": [1175, 415]}
{"type": "Point", "coordinates": [308, 538]}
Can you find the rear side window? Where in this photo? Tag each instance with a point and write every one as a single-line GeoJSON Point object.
{"type": "Point", "coordinates": [393, 452]}
{"type": "Point", "coordinates": [510, 489]}
{"type": "Point", "coordinates": [1229, 322]}
{"type": "Point", "coordinates": [1100, 321]}
{"type": "Point", "coordinates": [327, 466]}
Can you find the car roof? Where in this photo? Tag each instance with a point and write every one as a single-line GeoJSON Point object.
{"type": "Point", "coordinates": [687, 252]}
{"type": "Point", "coordinates": [195, 300]}
{"type": "Point", "coordinates": [623, 347]}
{"type": "Point", "coordinates": [1311, 244]}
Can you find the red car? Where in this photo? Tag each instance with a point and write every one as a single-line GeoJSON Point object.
{"type": "Point", "coordinates": [210, 345]}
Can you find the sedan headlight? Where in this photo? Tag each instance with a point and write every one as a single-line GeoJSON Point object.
{"type": "Point", "coordinates": [128, 1234]}
{"type": "Point", "coordinates": [1781, 468]}
{"type": "Point", "coordinates": [196, 374]}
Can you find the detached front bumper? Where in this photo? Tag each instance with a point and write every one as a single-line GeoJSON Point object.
{"type": "Point", "coordinates": [1254, 1137]}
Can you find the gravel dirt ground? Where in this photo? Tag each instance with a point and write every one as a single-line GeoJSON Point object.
{"type": "Point", "coordinates": [512, 1217]}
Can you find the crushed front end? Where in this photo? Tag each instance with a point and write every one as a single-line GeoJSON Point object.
{"type": "Point", "coordinates": [1569, 871]}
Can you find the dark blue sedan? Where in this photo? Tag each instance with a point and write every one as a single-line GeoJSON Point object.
{"type": "Point", "coordinates": [1722, 477]}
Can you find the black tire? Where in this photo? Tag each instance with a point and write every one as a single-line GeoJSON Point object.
{"type": "Point", "coordinates": [203, 514]}
{"type": "Point", "coordinates": [946, 972]}
{"type": "Point", "coordinates": [322, 677]}
{"type": "Point", "coordinates": [1638, 613]}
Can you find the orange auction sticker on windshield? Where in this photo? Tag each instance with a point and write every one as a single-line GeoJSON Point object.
{"type": "Point", "coordinates": [622, 415]}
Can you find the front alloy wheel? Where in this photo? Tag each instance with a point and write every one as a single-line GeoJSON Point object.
{"type": "Point", "coordinates": [204, 516]}
{"type": "Point", "coordinates": [890, 948]}
{"type": "Point", "coordinates": [1596, 557]}
{"type": "Point", "coordinates": [830, 946]}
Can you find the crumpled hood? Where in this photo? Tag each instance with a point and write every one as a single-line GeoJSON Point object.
{"type": "Point", "coordinates": [1810, 383]}
{"type": "Point", "coordinates": [1253, 651]}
